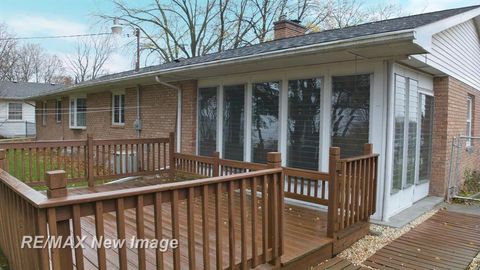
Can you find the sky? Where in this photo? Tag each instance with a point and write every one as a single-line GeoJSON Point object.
{"type": "Point", "coordinates": [28, 18]}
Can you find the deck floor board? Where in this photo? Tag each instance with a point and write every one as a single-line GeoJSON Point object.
{"type": "Point", "coordinates": [447, 240]}
{"type": "Point", "coordinates": [304, 230]}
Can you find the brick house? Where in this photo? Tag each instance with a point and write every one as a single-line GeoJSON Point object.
{"type": "Point", "coordinates": [407, 85]}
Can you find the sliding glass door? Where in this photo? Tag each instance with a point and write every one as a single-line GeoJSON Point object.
{"type": "Point", "coordinates": [265, 124]}
{"type": "Point", "coordinates": [413, 135]}
{"type": "Point", "coordinates": [303, 127]}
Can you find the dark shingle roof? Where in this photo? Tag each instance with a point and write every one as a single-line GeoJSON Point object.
{"type": "Point", "coordinates": [24, 90]}
{"type": "Point", "coordinates": [367, 29]}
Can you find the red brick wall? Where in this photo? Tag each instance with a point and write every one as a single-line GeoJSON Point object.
{"type": "Point", "coordinates": [158, 106]}
{"type": "Point", "coordinates": [450, 121]}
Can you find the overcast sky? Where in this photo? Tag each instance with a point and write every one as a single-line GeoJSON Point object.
{"type": "Point", "coordinates": [66, 17]}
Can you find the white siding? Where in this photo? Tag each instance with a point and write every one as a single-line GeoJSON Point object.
{"type": "Point", "coordinates": [456, 51]}
{"type": "Point", "coordinates": [16, 128]}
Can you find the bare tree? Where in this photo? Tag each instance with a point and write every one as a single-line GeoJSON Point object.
{"type": "Point", "coordinates": [8, 54]}
{"type": "Point", "coordinates": [29, 62]}
{"type": "Point", "coordinates": [52, 69]}
{"type": "Point", "coordinates": [89, 58]}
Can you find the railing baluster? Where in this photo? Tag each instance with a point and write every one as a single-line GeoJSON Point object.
{"type": "Point", "coordinates": [52, 228]}
{"type": "Point", "coordinates": [231, 224]}
{"type": "Point", "coordinates": [243, 226]}
{"type": "Point", "coordinates": [254, 222]}
{"type": "Point", "coordinates": [140, 232]}
{"type": "Point", "coordinates": [77, 232]}
{"type": "Point", "coordinates": [175, 229]}
{"type": "Point", "coordinates": [218, 228]}
{"type": "Point", "coordinates": [191, 228]}
{"type": "Point", "coordinates": [120, 218]}
{"type": "Point", "coordinates": [264, 219]}
{"type": "Point", "coordinates": [99, 232]}
{"type": "Point", "coordinates": [158, 228]}
{"type": "Point", "coordinates": [205, 226]}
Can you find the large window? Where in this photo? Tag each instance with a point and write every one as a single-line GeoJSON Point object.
{"type": "Point", "coordinates": [118, 108]}
{"type": "Point", "coordinates": [399, 139]}
{"type": "Point", "coordinates": [426, 127]}
{"type": "Point", "coordinates": [233, 121]}
{"type": "Point", "coordinates": [207, 121]}
{"type": "Point", "coordinates": [303, 123]}
{"type": "Point", "coordinates": [15, 111]}
{"type": "Point", "coordinates": [58, 110]}
{"type": "Point", "coordinates": [350, 113]}
{"type": "Point", "coordinates": [44, 113]}
{"type": "Point", "coordinates": [78, 112]}
{"type": "Point", "coordinates": [412, 130]}
{"type": "Point", "coordinates": [265, 125]}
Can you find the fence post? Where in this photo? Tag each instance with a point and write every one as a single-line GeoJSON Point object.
{"type": "Point", "coordinates": [368, 149]}
{"type": "Point", "coordinates": [57, 187]}
{"type": "Point", "coordinates": [171, 155]}
{"type": "Point", "coordinates": [274, 160]}
{"type": "Point", "coordinates": [334, 156]}
{"type": "Point", "coordinates": [216, 164]}
{"type": "Point", "coordinates": [2, 159]}
{"type": "Point", "coordinates": [90, 179]}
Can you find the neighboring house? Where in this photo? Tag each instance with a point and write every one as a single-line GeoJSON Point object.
{"type": "Point", "coordinates": [407, 85]}
{"type": "Point", "coordinates": [17, 110]}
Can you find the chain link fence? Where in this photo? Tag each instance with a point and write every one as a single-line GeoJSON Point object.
{"type": "Point", "coordinates": [464, 170]}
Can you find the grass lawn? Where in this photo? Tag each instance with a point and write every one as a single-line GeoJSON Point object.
{"type": "Point", "coordinates": [3, 262]}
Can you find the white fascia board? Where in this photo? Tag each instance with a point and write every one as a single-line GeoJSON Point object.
{"type": "Point", "coordinates": [424, 33]}
{"type": "Point", "coordinates": [343, 44]}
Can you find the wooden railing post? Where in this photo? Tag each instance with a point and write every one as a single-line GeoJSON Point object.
{"type": "Point", "coordinates": [171, 155]}
{"type": "Point", "coordinates": [90, 179]}
{"type": "Point", "coordinates": [274, 160]}
{"type": "Point", "coordinates": [216, 164]}
{"type": "Point", "coordinates": [334, 156]}
{"type": "Point", "coordinates": [368, 149]}
{"type": "Point", "coordinates": [57, 187]}
{"type": "Point", "coordinates": [2, 159]}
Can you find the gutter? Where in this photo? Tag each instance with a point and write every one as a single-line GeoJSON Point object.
{"type": "Point", "coordinates": [178, 124]}
{"type": "Point", "coordinates": [408, 34]}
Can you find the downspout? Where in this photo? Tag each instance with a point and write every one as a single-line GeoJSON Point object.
{"type": "Point", "coordinates": [178, 114]}
{"type": "Point", "coordinates": [138, 120]}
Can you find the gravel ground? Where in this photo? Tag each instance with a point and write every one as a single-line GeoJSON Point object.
{"type": "Point", "coordinates": [475, 265]}
{"type": "Point", "coordinates": [379, 237]}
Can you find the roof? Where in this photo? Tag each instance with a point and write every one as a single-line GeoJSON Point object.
{"type": "Point", "coordinates": [25, 90]}
{"type": "Point", "coordinates": [367, 29]}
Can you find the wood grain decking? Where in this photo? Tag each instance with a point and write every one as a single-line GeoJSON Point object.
{"type": "Point", "coordinates": [338, 264]}
{"type": "Point", "coordinates": [304, 231]}
{"type": "Point", "coordinates": [447, 240]}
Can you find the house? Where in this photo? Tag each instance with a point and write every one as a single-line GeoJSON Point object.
{"type": "Point", "coordinates": [407, 85]}
{"type": "Point", "coordinates": [17, 111]}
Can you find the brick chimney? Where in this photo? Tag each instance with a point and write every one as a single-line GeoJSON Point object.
{"type": "Point", "coordinates": [284, 28]}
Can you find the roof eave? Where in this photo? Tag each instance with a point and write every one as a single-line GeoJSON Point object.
{"type": "Point", "coordinates": [396, 36]}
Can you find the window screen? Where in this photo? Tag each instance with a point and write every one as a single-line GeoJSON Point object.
{"type": "Point", "coordinates": [426, 125]}
{"type": "Point", "coordinates": [14, 111]}
{"type": "Point", "coordinates": [265, 120]}
{"type": "Point", "coordinates": [303, 123]}
{"type": "Point", "coordinates": [400, 112]}
{"type": "Point", "coordinates": [412, 130]}
{"type": "Point", "coordinates": [350, 113]}
{"type": "Point", "coordinates": [207, 121]}
{"type": "Point", "coordinates": [81, 112]}
{"type": "Point", "coordinates": [233, 121]}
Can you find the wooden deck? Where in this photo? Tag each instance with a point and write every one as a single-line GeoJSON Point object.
{"type": "Point", "coordinates": [304, 232]}
{"type": "Point", "coordinates": [448, 240]}
{"type": "Point", "coordinates": [338, 264]}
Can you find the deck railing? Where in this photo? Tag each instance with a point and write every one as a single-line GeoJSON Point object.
{"type": "Point", "coordinates": [221, 209]}
{"type": "Point", "coordinates": [87, 160]}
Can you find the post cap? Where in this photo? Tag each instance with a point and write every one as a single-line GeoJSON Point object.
{"type": "Point", "coordinates": [56, 179]}
{"type": "Point", "coordinates": [274, 157]}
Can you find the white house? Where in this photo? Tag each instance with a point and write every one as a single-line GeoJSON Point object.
{"type": "Point", "coordinates": [17, 112]}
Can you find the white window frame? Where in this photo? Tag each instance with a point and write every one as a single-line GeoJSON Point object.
{"type": "Point", "coordinates": [469, 131]}
{"type": "Point", "coordinates": [58, 113]}
{"type": "Point", "coordinates": [73, 113]}
{"type": "Point", "coordinates": [120, 116]}
{"type": "Point", "coordinates": [21, 111]}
